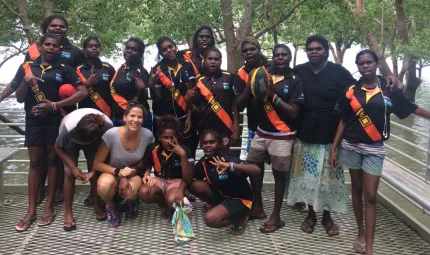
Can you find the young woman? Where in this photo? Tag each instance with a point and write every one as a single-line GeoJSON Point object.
{"type": "Point", "coordinates": [220, 180]}
{"type": "Point", "coordinates": [130, 82]}
{"type": "Point", "coordinates": [80, 130]}
{"type": "Point", "coordinates": [203, 38]}
{"type": "Point", "coordinates": [173, 167]}
{"type": "Point", "coordinates": [119, 159]}
{"type": "Point", "coordinates": [37, 84]}
{"type": "Point", "coordinates": [365, 111]}
{"type": "Point", "coordinates": [214, 87]}
{"type": "Point", "coordinates": [97, 76]}
{"type": "Point", "coordinates": [170, 80]}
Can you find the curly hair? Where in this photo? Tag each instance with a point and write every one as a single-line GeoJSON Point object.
{"type": "Point", "coordinates": [167, 122]}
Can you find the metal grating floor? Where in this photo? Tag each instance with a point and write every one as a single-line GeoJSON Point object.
{"type": "Point", "coordinates": [149, 234]}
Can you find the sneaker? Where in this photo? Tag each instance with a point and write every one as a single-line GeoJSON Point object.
{"type": "Point", "coordinates": [133, 210]}
{"type": "Point", "coordinates": [113, 219]}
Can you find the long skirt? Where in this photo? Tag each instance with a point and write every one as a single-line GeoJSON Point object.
{"type": "Point", "coordinates": [313, 181]}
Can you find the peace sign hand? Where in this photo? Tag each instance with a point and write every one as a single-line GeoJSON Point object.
{"type": "Point", "coordinates": [221, 166]}
{"type": "Point", "coordinates": [32, 80]}
{"type": "Point", "coordinates": [176, 148]}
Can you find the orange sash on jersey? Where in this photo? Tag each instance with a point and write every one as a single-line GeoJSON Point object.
{"type": "Point", "coordinates": [171, 86]}
{"type": "Point", "coordinates": [33, 51]}
{"type": "Point", "coordinates": [188, 57]}
{"type": "Point", "coordinates": [243, 75]}
{"type": "Point", "coordinates": [97, 99]}
{"type": "Point", "coordinates": [39, 95]}
{"type": "Point", "coordinates": [247, 203]}
{"type": "Point", "coordinates": [121, 101]}
{"type": "Point", "coordinates": [274, 118]}
{"type": "Point", "coordinates": [155, 160]}
{"type": "Point", "coordinates": [215, 106]}
{"type": "Point", "coordinates": [364, 119]}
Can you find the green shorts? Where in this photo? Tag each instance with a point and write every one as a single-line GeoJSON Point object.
{"type": "Point", "coordinates": [236, 209]}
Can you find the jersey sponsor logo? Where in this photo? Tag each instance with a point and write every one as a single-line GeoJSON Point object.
{"type": "Point", "coordinates": [65, 54]}
{"type": "Point", "coordinates": [285, 90]}
{"type": "Point", "coordinates": [128, 77]}
{"type": "Point", "coordinates": [105, 77]}
{"type": "Point", "coordinates": [388, 102]}
{"type": "Point", "coordinates": [177, 163]}
{"type": "Point", "coordinates": [226, 86]}
{"type": "Point", "coordinates": [222, 177]}
{"type": "Point", "coordinates": [58, 77]}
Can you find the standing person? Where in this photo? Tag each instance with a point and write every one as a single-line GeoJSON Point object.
{"type": "Point", "coordinates": [170, 80]}
{"type": "Point", "coordinates": [130, 83]}
{"type": "Point", "coordinates": [119, 160]}
{"type": "Point", "coordinates": [37, 83]}
{"type": "Point", "coordinates": [97, 76]}
{"type": "Point", "coordinates": [220, 180]}
{"type": "Point", "coordinates": [80, 130]}
{"type": "Point", "coordinates": [277, 127]}
{"type": "Point", "coordinates": [365, 111]}
{"type": "Point", "coordinates": [212, 100]}
{"type": "Point", "coordinates": [203, 39]}
{"type": "Point", "coordinates": [173, 167]}
{"type": "Point", "coordinates": [251, 53]}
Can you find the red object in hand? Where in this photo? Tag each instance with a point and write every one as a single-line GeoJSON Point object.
{"type": "Point", "coordinates": [66, 90]}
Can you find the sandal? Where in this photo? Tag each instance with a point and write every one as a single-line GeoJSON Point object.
{"type": "Point", "coordinates": [307, 226]}
{"type": "Point", "coordinates": [24, 223]}
{"type": "Point", "coordinates": [51, 217]}
{"type": "Point", "coordinates": [359, 247]}
{"type": "Point", "coordinates": [237, 230]}
{"type": "Point", "coordinates": [71, 225]}
{"type": "Point", "coordinates": [330, 227]}
{"type": "Point", "coordinates": [265, 226]}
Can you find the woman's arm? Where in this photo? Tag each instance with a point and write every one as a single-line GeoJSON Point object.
{"type": "Point", "coordinates": [337, 139]}
{"type": "Point", "coordinates": [249, 169]}
{"type": "Point", "coordinates": [100, 159]}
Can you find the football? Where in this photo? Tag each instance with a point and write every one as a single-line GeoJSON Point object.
{"type": "Point", "coordinates": [66, 90]}
{"type": "Point", "coordinates": [259, 83]}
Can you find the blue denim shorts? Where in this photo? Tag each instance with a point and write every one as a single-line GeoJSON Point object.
{"type": "Point", "coordinates": [371, 164]}
{"type": "Point", "coordinates": [251, 134]}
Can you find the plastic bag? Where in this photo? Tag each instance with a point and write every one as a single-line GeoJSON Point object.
{"type": "Point", "coordinates": [182, 228]}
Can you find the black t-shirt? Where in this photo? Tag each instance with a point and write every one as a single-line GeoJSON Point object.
{"type": "Point", "coordinates": [54, 76]}
{"type": "Point", "coordinates": [229, 184]}
{"type": "Point", "coordinates": [180, 77]}
{"type": "Point", "coordinates": [375, 104]}
{"type": "Point", "coordinates": [196, 61]}
{"type": "Point", "coordinates": [290, 89]}
{"type": "Point", "coordinates": [69, 54]}
{"type": "Point", "coordinates": [124, 85]}
{"type": "Point", "coordinates": [220, 85]}
{"type": "Point", "coordinates": [317, 123]}
{"type": "Point", "coordinates": [105, 73]}
{"type": "Point", "coordinates": [166, 165]}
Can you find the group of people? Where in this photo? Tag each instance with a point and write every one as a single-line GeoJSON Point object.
{"type": "Point", "coordinates": [315, 119]}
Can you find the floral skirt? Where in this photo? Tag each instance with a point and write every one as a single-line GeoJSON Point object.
{"type": "Point", "coordinates": [313, 181]}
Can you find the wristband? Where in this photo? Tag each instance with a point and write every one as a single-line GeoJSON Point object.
{"type": "Point", "coordinates": [55, 106]}
{"type": "Point", "coordinates": [274, 98]}
{"type": "Point", "coordinates": [232, 167]}
{"type": "Point", "coordinates": [277, 101]}
{"type": "Point", "coordinates": [117, 170]}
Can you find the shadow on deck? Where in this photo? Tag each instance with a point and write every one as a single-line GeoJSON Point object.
{"type": "Point", "coordinates": [149, 234]}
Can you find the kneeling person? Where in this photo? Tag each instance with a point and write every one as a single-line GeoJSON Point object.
{"type": "Point", "coordinates": [225, 186]}
{"type": "Point", "coordinates": [173, 167]}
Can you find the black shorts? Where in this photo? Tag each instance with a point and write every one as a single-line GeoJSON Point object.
{"type": "Point", "coordinates": [89, 150]}
{"type": "Point", "coordinates": [40, 135]}
{"type": "Point", "coordinates": [236, 209]}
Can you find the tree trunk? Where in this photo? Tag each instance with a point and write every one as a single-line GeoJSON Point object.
{"type": "Point", "coordinates": [333, 53]}
{"type": "Point", "coordinates": [392, 47]}
{"type": "Point", "coordinates": [412, 81]}
{"type": "Point", "coordinates": [48, 7]}
{"type": "Point", "coordinates": [296, 49]}
{"type": "Point", "coordinates": [26, 25]}
{"type": "Point", "coordinates": [373, 44]}
{"type": "Point", "coordinates": [275, 37]}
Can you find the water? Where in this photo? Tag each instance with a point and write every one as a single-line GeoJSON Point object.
{"type": "Point", "coordinates": [416, 123]}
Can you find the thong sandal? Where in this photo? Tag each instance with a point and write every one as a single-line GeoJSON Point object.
{"type": "Point", "coordinates": [330, 226]}
{"type": "Point", "coordinates": [359, 247]}
{"type": "Point", "coordinates": [69, 226]}
{"type": "Point", "coordinates": [307, 226]}
{"type": "Point", "coordinates": [51, 217]}
{"type": "Point", "coordinates": [279, 225]}
{"type": "Point", "coordinates": [24, 223]}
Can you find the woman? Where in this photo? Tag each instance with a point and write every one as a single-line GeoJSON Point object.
{"type": "Point", "coordinates": [97, 76]}
{"type": "Point", "coordinates": [119, 159]}
{"type": "Point", "coordinates": [129, 83]}
{"type": "Point", "coordinates": [173, 168]}
{"type": "Point", "coordinates": [37, 85]}
{"type": "Point", "coordinates": [220, 180]}
{"type": "Point", "coordinates": [370, 100]}
{"type": "Point", "coordinates": [170, 80]}
{"type": "Point", "coordinates": [80, 130]}
{"type": "Point", "coordinates": [203, 38]}
{"type": "Point", "coordinates": [214, 87]}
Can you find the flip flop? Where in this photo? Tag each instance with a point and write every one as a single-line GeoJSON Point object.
{"type": "Point", "coordinates": [278, 226]}
{"type": "Point", "coordinates": [310, 226]}
{"type": "Point", "coordinates": [71, 227]}
{"type": "Point", "coordinates": [52, 216]}
{"type": "Point", "coordinates": [359, 247]}
{"type": "Point", "coordinates": [331, 227]}
{"type": "Point", "coordinates": [30, 221]}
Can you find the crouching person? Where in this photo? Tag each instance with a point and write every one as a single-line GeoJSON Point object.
{"type": "Point", "coordinates": [173, 167]}
{"type": "Point", "coordinates": [220, 181]}
{"type": "Point", "coordinates": [119, 159]}
{"type": "Point", "coordinates": [80, 130]}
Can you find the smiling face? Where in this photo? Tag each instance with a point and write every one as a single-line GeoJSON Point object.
{"type": "Point", "coordinates": [168, 50]}
{"type": "Point", "coordinates": [134, 119]}
{"type": "Point", "coordinates": [49, 49]}
{"type": "Point", "coordinates": [131, 51]}
{"type": "Point", "coordinates": [316, 53]}
{"type": "Point", "coordinates": [57, 27]}
{"type": "Point", "coordinates": [92, 49]}
{"type": "Point", "coordinates": [367, 66]}
{"type": "Point", "coordinates": [213, 61]}
{"type": "Point", "coordinates": [210, 145]}
{"type": "Point", "coordinates": [250, 53]}
{"type": "Point", "coordinates": [204, 39]}
{"type": "Point", "coordinates": [281, 58]}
